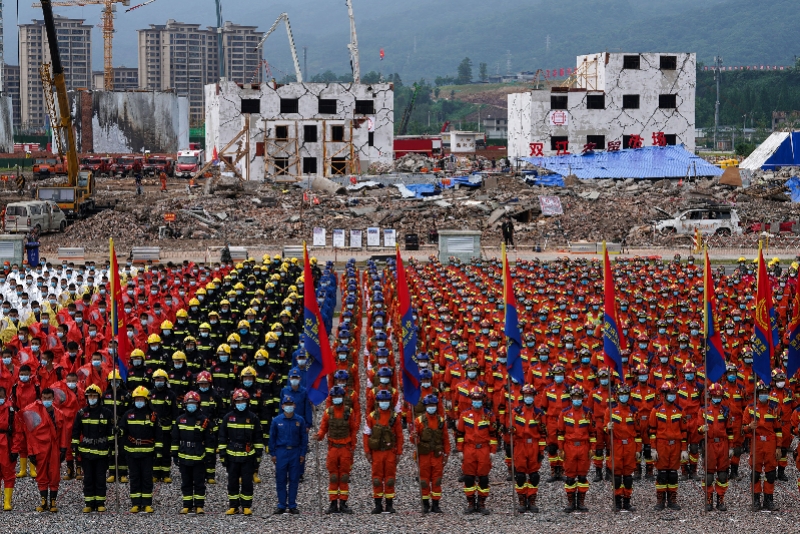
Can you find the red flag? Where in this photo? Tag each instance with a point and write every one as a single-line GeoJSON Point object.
{"type": "Point", "coordinates": [315, 338]}
{"type": "Point", "coordinates": [382, 54]}
{"type": "Point", "coordinates": [762, 343]}
{"type": "Point", "coordinates": [124, 347]}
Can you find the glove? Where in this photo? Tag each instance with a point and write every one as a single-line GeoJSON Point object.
{"type": "Point", "coordinates": [561, 454]}
{"type": "Point", "coordinates": [460, 456]}
{"type": "Point", "coordinates": [491, 456]}
{"type": "Point", "coordinates": [638, 457]}
{"type": "Point", "coordinates": [610, 425]}
{"type": "Point", "coordinates": [703, 429]}
{"type": "Point", "coordinates": [684, 456]}
{"type": "Point", "coordinates": [730, 453]}
{"type": "Point", "coordinates": [778, 454]}
{"type": "Point", "coordinates": [654, 455]}
{"type": "Point", "coordinates": [62, 455]}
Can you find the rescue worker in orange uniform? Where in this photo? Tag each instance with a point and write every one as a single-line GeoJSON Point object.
{"type": "Point", "coordinates": [383, 445]}
{"type": "Point", "coordinates": [668, 436]}
{"type": "Point", "coordinates": [782, 394]}
{"type": "Point", "coordinates": [554, 399]}
{"type": "Point", "coordinates": [340, 423]}
{"type": "Point", "coordinates": [716, 427]}
{"type": "Point", "coordinates": [735, 399]}
{"type": "Point", "coordinates": [476, 443]}
{"type": "Point", "coordinates": [527, 426]}
{"type": "Point", "coordinates": [690, 393]}
{"type": "Point", "coordinates": [622, 424]}
{"type": "Point", "coordinates": [644, 397]}
{"type": "Point", "coordinates": [764, 418]}
{"type": "Point", "coordinates": [433, 449]}
{"type": "Point", "coordinates": [576, 443]}
{"type": "Point", "coordinates": [598, 403]}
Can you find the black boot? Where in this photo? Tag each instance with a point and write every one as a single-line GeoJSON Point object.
{"type": "Point", "coordinates": [672, 500]}
{"type": "Point", "coordinates": [435, 507]}
{"type": "Point", "coordinates": [734, 472]}
{"type": "Point", "coordinates": [661, 499]}
{"type": "Point", "coordinates": [53, 497]}
{"type": "Point", "coordinates": [637, 473]}
{"type": "Point", "coordinates": [626, 505]}
{"type": "Point", "coordinates": [510, 476]}
{"type": "Point", "coordinates": [553, 474]}
{"type": "Point", "coordinates": [756, 502]}
{"type": "Point", "coordinates": [721, 503]}
{"type": "Point", "coordinates": [618, 503]}
{"type": "Point", "coordinates": [343, 508]}
{"type": "Point", "coordinates": [470, 505]}
{"type": "Point", "coordinates": [378, 506]}
{"type": "Point", "coordinates": [426, 506]}
{"type": "Point", "coordinates": [389, 507]}
{"type": "Point", "coordinates": [70, 471]}
{"type": "Point", "coordinates": [782, 474]}
{"type": "Point", "coordinates": [692, 471]}
{"type": "Point", "coordinates": [572, 500]}
{"type": "Point", "coordinates": [769, 503]}
{"type": "Point", "coordinates": [581, 504]}
{"type": "Point", "coordinates": [532, 504]}
{"type": "Point", "coordinates": [482, 505]}
{"type": "Point", "coordinates": [648, 472]}
{"type": "Point", "coordinates": [608, 473]}
{"type": "Point", "coordinates": [709, 502]}
{"type": "Point", "coordinates": [333, 508]}
{"type": "Point", "coordinates": [598, 474]}
{"type": "Point", "coordinates": [523, 503]}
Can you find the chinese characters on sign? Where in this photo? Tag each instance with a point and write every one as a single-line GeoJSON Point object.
{"type": "Point", "coordinates": [536, 149]}
{"type": "Point", "coordinates": [635, 141]}
{"type": "Point", "coordinates": [551, 205]}
{"type": "Point", "coordinates": [562, 148]}
{"type": "Point", "coordinates": [559, 117]}
{"type": "Point", "coordinates": [588, 148]}
{"type": "Point", "coordinates": [613, 146]}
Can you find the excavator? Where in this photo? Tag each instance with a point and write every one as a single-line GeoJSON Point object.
{"type": "Point", "coordinates": [74, 197]}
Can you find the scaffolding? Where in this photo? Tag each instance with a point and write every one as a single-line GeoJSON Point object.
{"type": "Point", "coordinates": [585, 75]}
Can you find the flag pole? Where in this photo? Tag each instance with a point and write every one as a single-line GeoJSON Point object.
{"type": "Point", "coordinates": [316, 460]}
{"type": "Point", "coordinates": [114, 329]}
{"type": "Point", "coordinates": [607, 272]}
{"type": "Point", "coordinates": [509, 403]}
{"type": "Point", "coordinates": [755, 394]}
{"type": "Point", "coordinates": [708, 319]}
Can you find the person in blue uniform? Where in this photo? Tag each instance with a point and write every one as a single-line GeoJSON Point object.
{"type": "Point", "coordinates": [303, 408]}
{"type": "Point", "coordinates": [288, 443]}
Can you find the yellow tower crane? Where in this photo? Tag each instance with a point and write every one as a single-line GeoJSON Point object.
{"type": "Point", "coordinates": [107, 25]}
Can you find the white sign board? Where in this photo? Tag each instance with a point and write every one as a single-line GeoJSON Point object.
{"type": "Point", "coordinates": [389, 237]}
{"type": "Point", "coordinates": [319, 237]}
{"type": "Point", "coordinates": [355, 238]}
{"type": "Point", "coordinates": [558, 117]}
{"type": "Point", "coordinates": [338, 239]}
{"type": "Point", "coordinates": [373, 237]}
{"type": "Point", "coordinates": [551, 205]}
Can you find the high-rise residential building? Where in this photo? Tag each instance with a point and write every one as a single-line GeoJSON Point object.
{"type": "Point", "coordinates": [125, 79]}
{"type": "Point", "coordinates": [75, 49]}
{"type": "Point", "coordinates": [183, 58]}
{"type": "Point", "coordinates": [11, 88]}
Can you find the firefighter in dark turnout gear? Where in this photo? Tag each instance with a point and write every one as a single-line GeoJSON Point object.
{"type": "Point", "coordinates": [165, 404]}
{"type": "Point", "coordinates": [240, 446]}
{"type": "Point", "coordinates": [141, 435]}
{"type": "Point", "coordinates": [191, 441]}
{"type": "Point", "coordinates": [92, 439]}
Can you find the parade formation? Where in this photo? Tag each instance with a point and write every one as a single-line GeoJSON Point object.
{"type": "Point", "coordinates": [641, 372]}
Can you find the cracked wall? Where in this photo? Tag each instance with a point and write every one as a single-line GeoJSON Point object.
{"type": "Point", "coordinates": [6, 126]}
{"type": "Point", "coordinates": [224, 119]}
{"type": "Point", "coordinates": [529, 113]}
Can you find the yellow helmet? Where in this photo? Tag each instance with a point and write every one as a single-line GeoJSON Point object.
{"type": "Point", "coordinates": [216, 280]}
{"type": "Point", "coordinates": [137, 352]}
{"type": "Point", "coordinates": [243, 323]}
{"type": "Point", "coordinates": [234, 337]}
{"type": "Point", "coordinates": [211, 285]}
{"type": "Point", "coordinates": [261, 353]}
{"type": "Point", "coordinates": [276, 257]}
{"type": "Point", "coordinates": [265, 257]}
{"type": "Point", "coordinates": [795, 265]}
{"type": "Point", "coordinates": [294, 261]}
{"type": "Point", "coordinates": [239, 286]}
{"type": "Point", "coordinates": [300, 279]}
{"type": "Point", "coordinates": [205, 325]}
{"type": "Point", "coordinates": [270, 285]}
{"type": "Point", "coordinates": [160, 373]}
{"type": "Point", "coordinates": [248, 311]}
{"type": "Point", "coordinates": [194, 302]}
{"type": "Point", "coordinates": [234, 272]}
{"type": "Point", "coordinates": [153, 338]}
{"type": "Point", "coordinates": [231, 294]}
{"type": "Point", "coordinates": [201, 291]}
{"type": "Point", "coordinates": [240, 265]}
{"type": "Point", "coordinates": [181, 313]}
{"type": "Point", "coordinates": [742, 259]}
{"type": "Point", "coordinates": [285, 313]}
{"type": "Point", "coordinates": [94, 388]}
{"type": "Point", "coordinates": [276, 326]}
{"type": "Point", "coordinates": [312, 260]}
{"type": "Point", "coordinates": [166, 325]}
{"type": "Point", "coordinates": [224, 302]}
{"type": "Point", "coordinates": [275, 277]}
{"type": "Point", "coordinates": [224, 348]}
{"type": "Point", "coordinates": [141, 391]}
{"type": "Point", "coordinates": [189, 339]}
{"type": "Point", "coordinates": [179, 355]}
{"type": "Point", "coordinates": [271, 336]}
{"type": "Point", "coordinates": [292, 289]}
{"type": "Point", "coordinates": [248, 371]}
{"type": "Point", "coordinates": [114, 375]}
{"type": "Point", "coordinates": [213, 313]}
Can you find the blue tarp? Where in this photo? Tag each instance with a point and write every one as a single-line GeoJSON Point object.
{"type": "Point", "coordinates": [474, 180]}
{"type": "Point", "coordinates": [422, 190]}
{"type": "Point", "coordinates": [642, 163]}
{"type": "Point", "coordinates": [546, 180]}
{"type": "Point", "coordinates": [793, 184]}
{"type": "Point", "coordinates": [788, 153]}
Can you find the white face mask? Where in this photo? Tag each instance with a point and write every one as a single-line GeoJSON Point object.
{"type": "Point", "coordinates": [431, 409]}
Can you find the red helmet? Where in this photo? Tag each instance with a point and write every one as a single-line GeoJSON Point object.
{"type": "Point", "coordinates": [528, 389]}
{"type": "Point", "coordinates": [240, 394]}
{"type": "Point", "coordinates": [204, 376]}
{"type": "Point", "coordinates": [476, 393]}
{"type": "Point", "coordinates": [715, 390]}
{"type": "Point", "coordinates": [668, 387]}
{"type": "Point", "coordinates": [577, 391]}
{"type": "Point", "coordinates": [192, 396]}
{"type": "Point", "coordinates": [641, 369]}
{"type": "Point", "coordinates": [689, 367]}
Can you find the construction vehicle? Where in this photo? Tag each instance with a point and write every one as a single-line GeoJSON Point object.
{"type": "Point", "coordinates": [355, 62]}
{"type": "Point", "coordinates": [155, 165]}
{"type": "Point", "coordinates": [99, 166]}
{"type": "Point", "coordinates": [407, 112]}
{"type": "Point", "coordinates": [74, 197]}
{"type": "Point", "coordinates": [285, 18]}
{"type": "Point", "coordinates": [46, 167]}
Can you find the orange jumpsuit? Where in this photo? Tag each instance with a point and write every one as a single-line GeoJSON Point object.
{"type": "Point", "coordinates": [477, 439]}
{"type": "Point", "coordinates": [576, 438]}
{"type": "Point", "coordinates": [768, 433]}
{"type": "Point", "coordinates": [689, 397]}
{"type": "Point", "coordinates": [553, 400]}
{"type": "Point", "coordinates": [599, 404]}
{"type": "Point", "coordinates": [46, 438]}
{"type": "Point", "coordinates": [785, 399]}
{"type": "Point", "coordinates": [383, 444]}
{"type": "Point", "coordinates": [626, 443]}
{"type": "Point", "coordinates": [644, 397]}
{"type": "Point", "coordinates": [529, 443]}
{"type": "Point", "coordinates": [340, 423]}
{"type": "Point", "coordinates": [433, 447]}
{"type": "Point", "coordinates": [7, 423]}
{"type": "Point", "coordinates": [720, 440]}
{"type": "Point", "coordinates": [668, 438]}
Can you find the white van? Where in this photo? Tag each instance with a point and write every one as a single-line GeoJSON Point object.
{"type": "Point", "coordinates": [22, 217]}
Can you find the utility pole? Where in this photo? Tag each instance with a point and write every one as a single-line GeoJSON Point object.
{"type": "Point", "coordinates": [717, 65]}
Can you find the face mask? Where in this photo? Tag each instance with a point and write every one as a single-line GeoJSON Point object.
{"type": "Point", "coordinates": [431, 409]}
{"type": "Point", "coordinates": [604, 381]}
{"type": "Point", "coordinates": [689, 376]}
{"type": "Point", "coordinates": [577, 402]}
{"type": "Point", "coordinates": [558, 379]}
{"type": "Point", "coordinates": [338, 400]}
{"type": "Point", "coordinates": [204, 389]}
{"type": "Point", "coordinates": [96, 363]}
{"type": "Point", "coordinates": [528, 400]}
{"type": "Point", "coordinates": [642, 378]}
{"type": "Point", "coordinates": [6, 361]}
{"type": "Point", "coordinates": [472, 375]}
{"type": "Point", "coordinates": [191, 408]}
{"type": "Point", "coordinates": [763, 397]}
{"type": "Point", "coordinates": [301, 363]}
{"type": "Point", "coordinates": [241, 406]}
{"type": "Point", "coordinates": [177, 365]}
{"type": "Point", "coordinates": [384, 380]}
{"type": "Point", "coordinates": [288, 409]}
{"type": "Point", "coordinates": [247, 383]}
{"type": "Point", "coordinates": [748, 361]}
{"type": "Point", "coordinates": [477, 404]}
{"type": "Point", "coordinates": [47, 403]}
{"type": "Point", "coordinates": [223, 358]}
{"type": "Point", "coordinates": [160, 385]}
{"type": "Point", "coordinates": [92, 401]}
{"type": "Point", "coordinates": [72, 385]}
{"type": "Point", "coordinates": [139, 404]}
{"type": "Point", "coordinates": [623, 398]}
{"type": "Point", "coordinates": [294, 382]}
{"type": "Point", "coordinates": [670, 397]}
{"type": "Point", "coordinates": [716, 400]}
{"type": "Point", "coordinates": [731, 378]}
{"type": "Point", "coordinates": [664, 359]}
{"type": "Point", "coordinates": [384, 405]}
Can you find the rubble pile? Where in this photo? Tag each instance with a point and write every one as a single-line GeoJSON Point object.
{"type": "Point", "coordinates": [258, 214]}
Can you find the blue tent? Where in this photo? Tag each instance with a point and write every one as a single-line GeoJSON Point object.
{"type": "Point", "coordinates": [781, 149]}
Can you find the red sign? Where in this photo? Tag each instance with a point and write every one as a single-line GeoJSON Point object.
{"type": "Point", "coordinates": [170, 217]}
{"type": "Point", "coordinates": [635, 141]}
{"type": "Point", "coordinates": [536, 149]}
{"type": "Point", "coordinates": [562, 148]}
{"type": "Point", "coordinates": [613, 146]}
{"type": "Point", "coordinates": [659, 139]}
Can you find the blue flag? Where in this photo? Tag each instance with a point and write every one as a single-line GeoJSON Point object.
{"type": "Point", "coordinates": [513, 336]}
{"type": "Point", "coordinates": [408, 335]}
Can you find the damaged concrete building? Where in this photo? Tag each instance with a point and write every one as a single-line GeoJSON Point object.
{"type": "Point", "coordinates": [611, 101]}
{"type": "Point", "coordinates": [300, 129]}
